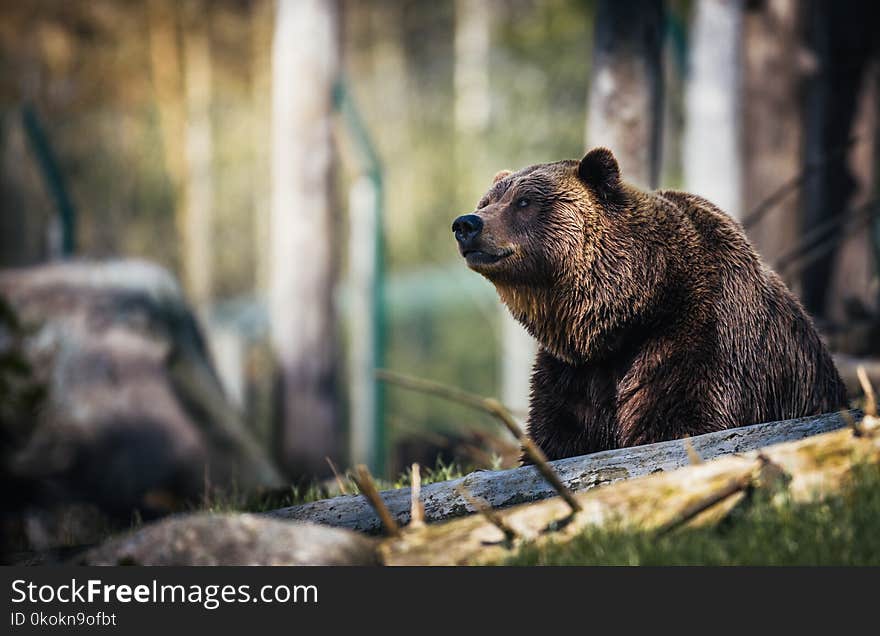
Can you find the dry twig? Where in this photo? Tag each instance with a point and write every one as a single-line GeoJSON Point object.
{"type": "Point", "coordinates": [793, 184]}
{"type": "Point", "coordinates": [731, 488]}
{"type": "Point", "coordinates": [494, 408]}
{"type": "Point", "coordinates": [693, 455]}
{"type": "Point", "coordinates": [870, 397]}
{"type": "Point", "coordinates": [364, 481]}
{"type": "Point", "coordinates": [482, 507]}
{"type": "Point", "coordinates": [417, 510]}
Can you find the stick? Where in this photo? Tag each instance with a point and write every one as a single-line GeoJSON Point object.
{"type": "Point", "coordinates": [821, 238]}
{"type": "Point", "coordinates": [693, 455]}
{"type": "Point", "coordinates": [495, 408]}
{"type": "Point", "coordinates": [870, 398]}
{"type": "Point", "coordinates": [364, 481]}
{"type": "Point", "coordinates": [775, 197]}
{"type": "Point", "coordinates": [416, 509]}
{"type": "Point", "coordinates": [851, 423]}
{"type": "Point", "coordinates": [733, 486]}
{"type": "Point", "coordinates": [481, 506]}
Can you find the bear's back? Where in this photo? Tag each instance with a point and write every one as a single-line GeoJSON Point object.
{"type": "Point", "coordinates": [771, 358]}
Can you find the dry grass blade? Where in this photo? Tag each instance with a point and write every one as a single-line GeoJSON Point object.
{"type": "Point", "coordinates": [342, 489]}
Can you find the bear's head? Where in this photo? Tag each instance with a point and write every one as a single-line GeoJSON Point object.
{"type": "Point", "coordinates": [562, 244]}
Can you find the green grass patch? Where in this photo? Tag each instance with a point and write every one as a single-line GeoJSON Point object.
{"type": "Point", "coordinates": [842, 530]}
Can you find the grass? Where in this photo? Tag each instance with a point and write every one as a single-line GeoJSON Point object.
{"type": "Point", "coordinates": [313, 491]}
{"type": "Point", "coordinates": [838, 531]}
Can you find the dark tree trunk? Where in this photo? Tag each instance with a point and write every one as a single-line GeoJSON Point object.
{"type": "Point", "coordinates": [842, 38]}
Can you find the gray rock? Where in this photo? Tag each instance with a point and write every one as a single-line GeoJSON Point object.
{"type": "Point", "coordinates": [134, 417]}
{"type": "Point", "coordinates": [234, 539]}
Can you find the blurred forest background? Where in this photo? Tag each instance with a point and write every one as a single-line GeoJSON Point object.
{"type": "Point", "coordinates": [297, 164]}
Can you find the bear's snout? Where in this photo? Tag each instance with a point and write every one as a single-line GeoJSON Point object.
{"type": "Point", "coordinates": [466, 228]}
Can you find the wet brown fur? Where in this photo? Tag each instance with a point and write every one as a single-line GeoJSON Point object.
{"type": "Point", "coordinates": [655, 317]}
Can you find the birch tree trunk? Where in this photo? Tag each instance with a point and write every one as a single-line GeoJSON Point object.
{"type": "Point", "coordinates": [626, 89]}
{"type": "Point", "coordinates": [302, 268]}
{"type": "Point", "coordinates": [712, 155]}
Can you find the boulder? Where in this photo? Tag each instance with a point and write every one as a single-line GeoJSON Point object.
{"type": "Point", "coordinates": [234, 539]}
{"type": "Point", "coordinates": [113, 402]}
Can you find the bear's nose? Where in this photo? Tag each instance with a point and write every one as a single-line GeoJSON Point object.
{"type": "Point", "coordinates": [467, 227]}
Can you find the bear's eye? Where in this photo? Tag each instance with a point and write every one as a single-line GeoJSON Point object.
{"type": "Point", "coordinates": [522, 202]}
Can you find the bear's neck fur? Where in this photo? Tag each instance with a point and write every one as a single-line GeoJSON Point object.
{"type": "Point", "coordinates": [572, 327]}
{"type": "Point", "coordinates": [585, 316]}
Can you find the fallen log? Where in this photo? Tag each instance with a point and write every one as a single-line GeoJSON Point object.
{"type": "Point", "coordinates": [501, 489]}
{"type": "Point", "coordinates": [808, 470]}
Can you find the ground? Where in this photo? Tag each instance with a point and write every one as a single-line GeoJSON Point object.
{"type": "Point", "coordinates": [838, 531]}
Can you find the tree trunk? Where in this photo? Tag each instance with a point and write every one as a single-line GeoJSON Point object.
{"type": "Point", "coordinates": [854, 282]}
{"type": "Point", "coordinates": [712, 157]}
{"type": "Point", "coordinates": [507, 487]}
{"type": "Point", "coordinates": [805, 470]}
{"type": "Point", "coordinates": [303, 260]}
{"type": "Point", "coordinates": [841, 37]}
{"type": "Point", "coordinates": [626, 88]}
{"type": "Point", "coordinates": [772, 121]}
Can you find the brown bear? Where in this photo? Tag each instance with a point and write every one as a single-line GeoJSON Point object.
{"type": "Point", "coordinates": [655, 317]}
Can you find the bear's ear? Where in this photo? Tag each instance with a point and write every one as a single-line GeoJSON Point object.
{"type": "Point", "coordinates": [498, 177]}
{"type": "Point", "coordinates": [599, 172]}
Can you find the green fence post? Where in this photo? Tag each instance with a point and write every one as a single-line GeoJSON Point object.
{"type": "Point", "coordinates": [52, 175]}
{"type": "Point", "coordinates": [372, 168]}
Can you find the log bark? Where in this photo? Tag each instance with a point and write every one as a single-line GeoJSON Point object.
{"type": "Point", "coordinates": [808, 470]}
{"type": "Point", "coordinates": [505, 488]}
